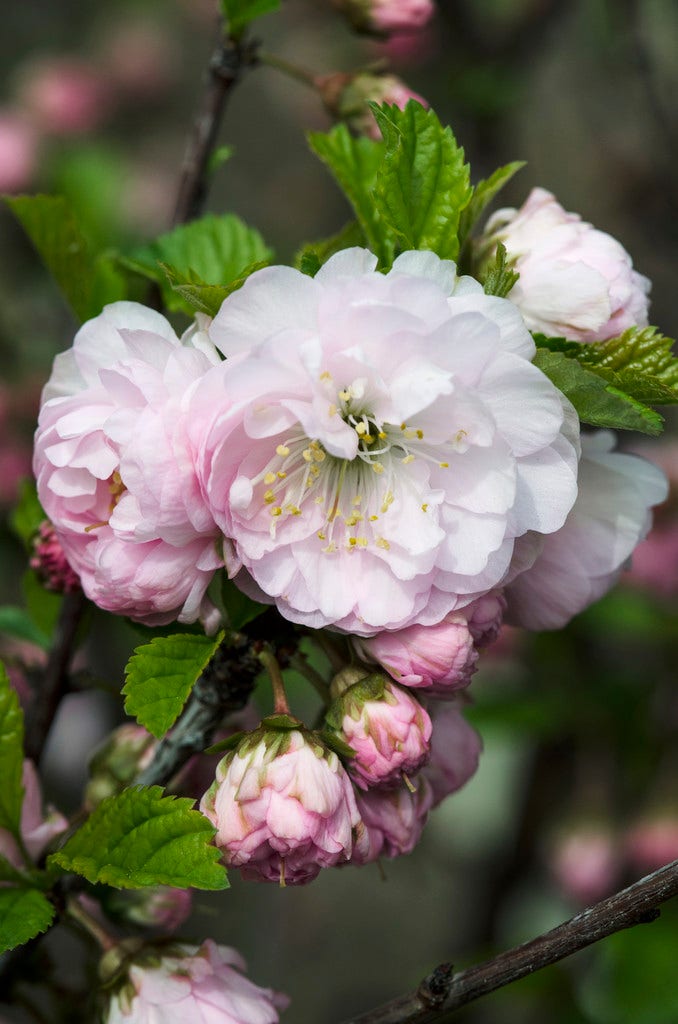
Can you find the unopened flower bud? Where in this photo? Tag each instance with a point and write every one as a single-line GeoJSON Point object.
{"type": "Point", "coordinates": [388, 730]}
{"type": "Point", "coordinates": [38, 828]}
{"type": "Point", "coordinates": [159, 907]}
{"type": "Point", "coordinates": [455, 750]}
{"type": "Point", "coordinates": [49, 562]}
{"type": "Point", "coordinates": [393, 820]}
{"type": "Point", "coordinates": [386, 17]}
{"type": "Point", "coordinates": [191, 985]}
{"type": "Point", "coordinates": [282, 804]}
{"type": "Point", "coordinates": [346, 97]}
{"type": "Point", "coordinates": [484, 617]}
{"type": "Point", "coordinates": [116, 763]}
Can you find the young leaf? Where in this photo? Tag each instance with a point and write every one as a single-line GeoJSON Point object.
{"type": "Point", "coordinates": [200, 297]}
{"type": "Point", "coordinates": [597, 402]}
{"type": "Point", "coordinates": [27, 514]}
{"type": "Point", "coordinates": [354, 164]}
{"type": "Point", "coordinates": [214, 250]}
{"type": "Point", "coordinates": [24, 913]}
{"type": "Point", "coordinates": [140, 837]}
{"type": "Point", "coordinates": [423, 183]}
{"type": "Point", "coordinates": [88, 282]}
{"type": "Point", "coordinates": [310, 259]}
{"type": "Point", "coordinates": [239, 13]}
{"type": "Point", "coordinates": [160, 676]}
{"type": "Point", "coordinates": [500, 278]}
{"type": "Point", "coordinates": [483, 194]}
{"type": "Point", "coordinates": [11, 755]}
{"type": "Point", "coordinates": [17, 622]}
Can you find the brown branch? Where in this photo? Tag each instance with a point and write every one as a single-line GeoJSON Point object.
{"type": "Point", "coordinates": [55, 682]}
{"type": "Point", "coordinates": [443, 992]}
{"type": "Point", "coordinates": [225, 69]}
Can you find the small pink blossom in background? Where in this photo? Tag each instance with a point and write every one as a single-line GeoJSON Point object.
{"type": "Point", "coordinates": [386, 727]}
{"type": "Point", "coordinates": [113, 470]}
{"type": "Point", "coordinates": [283, 807]}
{"type": "Point", "coordinates": [38, 827]}
{"type": "Point", "coordinates": [408, 49]}
{"type": "Point", "coordinates": [18, 151]}
{"type": "Point", "coordinates": [385, 17]}
{"type": "Point", "coordinates": [655, 560]}
{"type": "Point", "coordinates": [64, 96]}
{"type": "Point", "coordinates": [49, 562]}
{"type": "Point", "coordinates": [583, 560]}
{"type": "Point", "coordinates": [575, 281]}
{"type": "Point", "coordinates": [140, 58]}
{"type": "Point", "coordinates": [455, 750]}
{"type": "Point", "coordinates": [652, 842]}
{"type": "Point", "coordinates": [193, 985]}
{"type": "Point", "coordinates": [476, 447]}
{"type": "Point", "coordinates": [586, 863]}
{"type": "Point", "coordinates": [394, 820]}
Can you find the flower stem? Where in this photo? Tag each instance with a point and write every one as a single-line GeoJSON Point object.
{"type": "Point", "coordinates": [75, 909]}
{"type": "Point", "coordinates": [270, 662]}
{"type": "Point", "coordinates": [299, 662]}
{"type": "Point", "coordinates": [291, 70]}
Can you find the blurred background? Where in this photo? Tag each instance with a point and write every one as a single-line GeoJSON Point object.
{"type": "Point", "coordinates": [577, 791]}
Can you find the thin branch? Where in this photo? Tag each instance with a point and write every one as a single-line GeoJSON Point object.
{"type": "Point", "coordinates": [442, 992]}
{"type": "Point", "coordinates": [225, 69]}
{"type": "Point", "coordinates": [55, 683]}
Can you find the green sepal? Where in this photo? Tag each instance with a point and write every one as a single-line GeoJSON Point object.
{"type": "Point", "coordinates": [500, 277]}
{"type": "Point", "coordinates": [24, 913]}
{"type": "Point", "coordinates": [11, 756]}
{"type": "Point", "coordinates": [352, 700]}
{"type": "Point", "coordinates": [229, 743]}
{"type": "Point", "coordinates": [332, 740]}
{"type": "Point", "coordinates": [311, 257]}
{"type": "Point", "coordinates": [200, 297]}
{"type": "Point", "coordinates": [282, 722]}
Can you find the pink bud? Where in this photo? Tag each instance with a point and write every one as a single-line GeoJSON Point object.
{"type": "Point", "coordinates": [49, 562]}
{"type": "Point", "coordinates": [37, 827]}
{"type": "Point", "coordinates": [439, 659]}
{"type": "Point", "coordinates": [192, 985]}
{"type": "Point", "coordinates": [455, 750]}
{"type": "Point", "coordinates": [158, 907]}
{"type": "Point", "coordinates": [385, 17]}
{"type": "Point", "coordinates": [346, 97]}
{"type": "Point", "coordinates": [18, 152]}
{"type": "Point", "coordinates": [386, 727]}
{"type": "Point", "coordinates": [64, 96]}
{"type": "Point", "coordinates": [586, 864]}
{"type": "Point", "coordinates": [282, 805]}
{"type": "Point", "coordinates": [653, 842]}
{"type": "Point", "coordinates": [393, 820]}
{"type": "Point", "coordinates": [116, 763]}
{"type": "Point", "coordinates": [484, 617]}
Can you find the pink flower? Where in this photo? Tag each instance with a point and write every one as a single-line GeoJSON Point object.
{"type": "Point", "coordinates": [193, 985]}
{"type": "Point", "coordinates": [158, 907]}
{"type": "Point", "coordinates": [384, 17]}
{"type": "Point", "coordinates": [18, 152]}
{"type": "Point", "coordinates": [375, 443]}
{"type": "Point", "coordinates": [455, 751]}
{"type": "Point", "coordinates": [394, 820]}
{"type": "Point", "coordinates": [37, 827]}
{"type": "Point", "coordinates": [438, 659]}
{"type": "Point", "coordinates": [387, 728]}
{"type": "Point", "coordinates": [283, 806]}
{"type": "Point", "coordinates": [583, 560]}
{"type": "Point", "coordinates": [653, 841]}
{"type": "Point", "coordinates": [586, 863]}
{"type": "Point", "coordinates": [655, 560]}
{"type": "Point", "coordinates": [575, 281]}
{"type": "Point", "coordinates": [64, 96]}
{"type": "Point", "coordinates": [114, 471]}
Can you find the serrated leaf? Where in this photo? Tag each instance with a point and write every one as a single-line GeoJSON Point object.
{"type": "Point", "coordinates": [500, 277]}
{"type": "Point", "coordinates": [354, 164]}
{"type": "Point", "coordinates": [597, 402]}
{"type": "Point", "coordinates": [239, 13]}
{"type": "Point", "coordinates": [24, 913]}
{"type": "Point", "coordinates": [161, 675]}
{"type": "Point", "coordinates": [201, 297]}
{"type": "Point", "coordinates": [214, 250]}
{"type": "Point", "coordinates": [423, 184]}
{"type": "Point", "coordinates": [17, 622]}
{"type": "Point", "coordinates": [27, 514]}
{"type": "Point", "coordinates": [240, 608]}
{"type": "Point", "coordinates": [140, 837]}
{"type": "Point", "coordinates": [88, 281]}
{"type": "Point", "coordinates": [11, 755]}
{"type": "Point", "coordinates": [312, 257]}
{"type": "Point", "coordinates": [483, 194]}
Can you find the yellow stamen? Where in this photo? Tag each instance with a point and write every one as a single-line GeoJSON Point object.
{"type": "Point", "coordinates": [282, 450]}
{"type": "Point", "coordinates": [269, 478]}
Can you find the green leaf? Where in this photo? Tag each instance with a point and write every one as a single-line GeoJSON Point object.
{"type": "Point", "coordinates": [161, 675]}
{"type": "Point", "coordinates": [640, 362]}
{"type": "Point", "coordinates": [43, 605]}
{"type": "Point", "coordinates": [483, 194]}
{"type": "Point", "coordinates": [87, 281]}
{"type": "Point", "coordinates": [354, 164]}
{"type": "Point", "coordinates": [239, 13]}
{"type": "Point", "coordinates": [27, 514]}
{"type": "Point", "coordinates": [201, 297]}
{"type": "Point", "coordinates": [423, 183]}
{"type": "Point", "coordinates": [140, 837]}
{"type": "Point", "coordinates": [8, 873]}
{"type": "Point", "coordinates": [18, 623]}
{"type": "Point", "coordinates": [24, 913]}
{"type": "Point", "coordinates": [500, 278]}
{"type": "Point", "coordinates": [214, 250]}
{"type": "Point", "coordinates": [597, 402]}
{"type": "Point", "coordinates": [240, 608]}
{"type": "Point", "coordinates": [11, 755]}
{"type": "Point", "coordinates": [311, 258]}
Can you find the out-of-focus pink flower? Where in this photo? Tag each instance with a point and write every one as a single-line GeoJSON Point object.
{"type": "Point", "coordinates": [575, 281]}
{"type": "Point", "coordinates": [485, 617]}
{"type": "Point", "coordinates": [192, 985]}
{"type": "Point", "coordinates": [15, 466]}
{"type": "Point", "coordinates": [655, 560]}
{"type": "Point", "coordinates": [113, 469]}
{"type": "Point", "coordinates": [408, 49]}
{"type": "Point", "coordinates": [18, 152]}
{"type": "Point", "coordinates": [385, 17]}
{"type": "Point", "coordinates": [586, 863]}
{"type": "Point", "coordinates": [394, 820]}
{"type": "Point", "coordinates": [115, 764]}
{"type": "Point", "coordinates": [583, 560]}
{"type": "Point", "coordinates": [346, 96]}
{"type": "Point", "coordinates": [158, 907]}
{"type": "Point", "coordinates": [37, 827]}
{"type": "Point", "coordinates": [283, 807]}
{"type": "Point", "coordinates": [378, 485]}
{"type": "Point", "coordinates": [455, 750]}
{"type": "Point", "coordinates": [49, 562]}
{"type": "Point", "coordinates": [64, 96]}
{"type": "Point", "coordinates": [140, 58]}
{"type": "Point", "coordinates": [386, 727]}
{"type": "Point", "coordinates": [652, 842]}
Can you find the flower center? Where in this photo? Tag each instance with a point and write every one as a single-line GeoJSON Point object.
{"type": "Point", "coordinates": [116, 489]}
